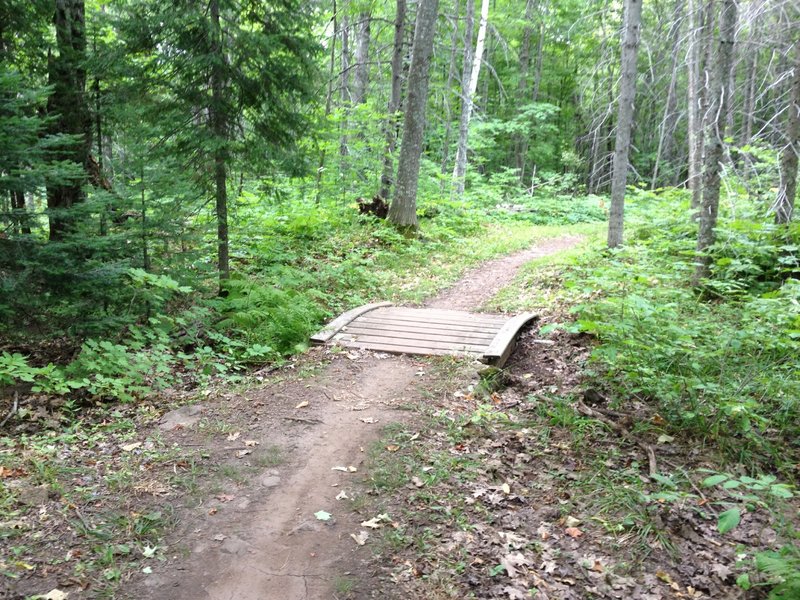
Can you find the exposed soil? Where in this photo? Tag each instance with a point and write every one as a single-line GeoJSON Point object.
{"type": "Point", "coordinates": [264, 542]}
{"type": "Point", "coordinates": [479, 285]}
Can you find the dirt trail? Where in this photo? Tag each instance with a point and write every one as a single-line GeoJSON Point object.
{"type": "Point", "coordinates": [266, 544]}
{"type": "Point", "coordinates": [479, 285]}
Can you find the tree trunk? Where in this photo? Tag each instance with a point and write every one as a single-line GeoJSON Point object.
{"type": "Point", "coordinates": [328, 98]}
{"type": "Point", "coordinates": [468, 89]}
{"type": "Point", "coordinates": [451, 74]}
{"type": "Point", "coordinates": [627, 94]}
{"type": "Point", "coordinates": [669, 122]}
{"type": "Point", "coordinates": [394, 100]}
{"type": "Point", "coordinates": [403, 211]}
{"type": "Point", "coordinates": [68, 107]}
{"type": "Point", "coordinates": [784, 203]}
{"type": "Point", "coordinates": [520, 143]}
{"type": "Point", "coordinates": [362, 59]}
{"type": "Point", "coordinates": [714, 136]}
{"type": "Point", "coordinates": [219, 130]}
{"type": "Point", "coordinates": [695, 101]}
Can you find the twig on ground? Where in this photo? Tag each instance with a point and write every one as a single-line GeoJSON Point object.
{"type": "Point", "coordinates": [14, 407]}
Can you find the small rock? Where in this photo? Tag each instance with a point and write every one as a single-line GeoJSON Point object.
{"type": "Point", "coordinates": [270, 481]}
{"type": "Point", "coordinates": [186, 416]}
{"type": "Point", "coordinates": [33, 495]}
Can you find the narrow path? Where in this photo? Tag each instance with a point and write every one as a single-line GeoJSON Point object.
{"type": "Point", "coordinates": [479, 285]}
{"type": "Point", "coordinates": [268, 545]}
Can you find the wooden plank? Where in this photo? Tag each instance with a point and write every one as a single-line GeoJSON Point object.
{"type": "Point", "coordinates": [416, 326]}
{"type": "Point", "coordinates": [411, 343]}
{"type": "Point", "coordinates": [424, 313]}
{"type": "Point", "coordinates": [392, 349]}
{"type": "Point", "coordinates": [367, 328]}
{"type": "Point", "coordinates": [503, 344]}
{"type": "Point", "coordinates": [472, 338]}
{"type": "Point", "coordinates": [421, 319]}
{"type": "Point", "coordinates": [327, 332]}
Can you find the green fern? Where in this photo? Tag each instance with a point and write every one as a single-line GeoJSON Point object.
{"type": "Point", "coordinates": [783, 569]}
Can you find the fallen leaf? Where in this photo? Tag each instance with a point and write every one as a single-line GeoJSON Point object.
{"type": "Point", "coordinates": [251, 443]}
{"type": "Point", "coordinates": [232, 437]}
{"type": "Point", "coordinates": [342, 496]}
{"type": "Point", "coordinates": [130, 447]}
{"type": "Point", "coordinates": [225, 497]}
{"type": "Point", "coordinates": [417, 481]}
{"type": "Point", "coordinates": [573, 532]}
{"type": "Point", "coordinates": [511, 561]}
{"type": "Point", "coordinates": [665, 439]}
{"type": "Point", "coordinates": [322, 515]}
{"type": "Point", "coordinates": [375, 522]}
{"type": "Point", "coordinates": [303, 404]}
{"type": "Point", "coordinates": [350, 469]}
{"type": "Point", "coordinates": [219, 537]}
{"type": "Point", "coordinates": [212, 511]}
{"type": "Point", "coordinates": [339, 469]}
{"type": "Point", "coordinates": [54, 594]}
{"type": "Point", "coordinates": [570, 521]}
{"type": "Point", "coordinates": [149, 551]}
{"type": "Point", "coordinates": [147, 570]}
{"type": "Point", "coordinates": [6, 472]}
{"type": "Point", "coordinates": [369, 420]}
{"type": "Point", "coordinates": [664, 576]}
{"type": "Point", "coordinates": [506, 488]}
{"type": "Point", "coordinates": [243, 453]}
{"type": "Point", "coordinates": [361, 538]}
{"type": "Point", "coordinates": [392, 448]}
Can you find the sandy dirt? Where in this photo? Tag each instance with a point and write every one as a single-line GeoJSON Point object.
{"type": "Point", "coordinates": [261, 540]}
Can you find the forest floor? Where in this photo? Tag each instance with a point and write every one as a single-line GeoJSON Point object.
{"type": "Point", "coordinates": [352, 474]}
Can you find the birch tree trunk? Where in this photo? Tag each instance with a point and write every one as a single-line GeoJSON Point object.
{"type": "Point", "coordinates": [714, 136]}
{"type": "Point", "coordinates": [784, 203]}
{"type": "Point", "coordinates": [394, 100]}
{"type": "Point", "coordinates": [403, 210]}
{"type": "Point", "coordinates": [627, 94]}
{"type": "Point", "coordinates": [468, 89]}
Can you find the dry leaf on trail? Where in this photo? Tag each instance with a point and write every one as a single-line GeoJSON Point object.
{"type": "Point", "coordinates": [573, 532]}
{"type": "Point", "coordinates": [392, 448]}
{"type": "Point", "coordinates": [515, 594]}
{"type": "Point", "coordinates": [506, 488]}
{"type": "Point", "coordinates": [322, 515]}
{"type": "Point", "coordinates": [368, 420]}
{"type": "Point", "coordinates": [54, 594]}
{"type": "Point", "coordinates": [213, 511]}
{"type": "Point", "coordinates": [570, 521]}
{"type": "Point", "coordinates": [219, 537]}
{"type": "Point", "coordinates": [417, 481]}
{"type": "Point", "coordinates": [251, 443]}
{"type": "Point", "coordinates": [130, 447]}
{"type": "Point", "coordinates": [513, 560]}
{"type": "Point", "coordinates": [342, 496]}
{"type": "Point", "coordinates": [243, 453]}
{"type": "Point", "coordinates": [6, 472]}
{"type": "Point", "coordinates": [303, 404]}
{"type": "Point", "coordinates": [376, 522]}
{"type": "Point", "coordinates": [225, 497]}
{"type": "Point", "coordinates": [361, 538]}
{"type": "Point", "coordinates": [232, 437]}
{"type": "Point", "coordinates": [350, 469]}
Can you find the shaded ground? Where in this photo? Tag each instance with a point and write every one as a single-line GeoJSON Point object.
{"type": "Point", "coordinates": [240, 480]}
{"type": "Point", "coordinates": [361, 475]}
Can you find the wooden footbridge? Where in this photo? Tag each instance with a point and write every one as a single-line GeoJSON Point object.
{"type": "Point", "coordinates": [428, 331]}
